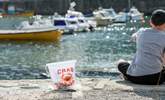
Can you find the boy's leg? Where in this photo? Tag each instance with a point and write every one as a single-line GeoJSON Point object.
{"type": "Point", "coordinates": [153, 79]}
{"type": "Point", "coordinates": [163, 74]}
{"type": "Point", "coordinates": [122, 67]}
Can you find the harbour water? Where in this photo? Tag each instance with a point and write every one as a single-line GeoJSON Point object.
{"type": "Point", "coordinates": [99, 49]}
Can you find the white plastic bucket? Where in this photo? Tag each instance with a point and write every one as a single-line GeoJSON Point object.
{"type": "Point", "coordinates": [62, 73]}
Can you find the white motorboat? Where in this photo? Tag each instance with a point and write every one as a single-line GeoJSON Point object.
{"type": "Point", "coordinates": [66, 25]}
{"type": "Point", "coordinates": [116, 17]}
{"type": "Point", "coordinates": [70, 25]}
{"type": "Point", "coordinates": [37, 23]}
{"type": "Point", "coordinates": [111, 12]}
{"type": "Point", "coordinates": [83, 22]}
{"type": "Point", "coordinates": [102, 17]}
{"type": "Point", "coordinates": [135, 15]}
{"type": "Point", "coordinates": [79, 25]}
{"type": "Point", "coordinates": [87, 23]}
{"type": "Point", "coordinates": [122, 17]}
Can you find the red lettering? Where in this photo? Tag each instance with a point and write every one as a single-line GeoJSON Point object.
{"type": "Point", "coordinates": [68, 69]}
{"type": "Point", "coordinates": [63, 70]}
{"type": "Point", "coordinates": [59, 71]}
{"type": "Point", "coordinates": [71, 69]}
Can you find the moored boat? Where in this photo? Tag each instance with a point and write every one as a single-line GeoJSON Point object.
{"type": "Point", "coordinates": [102, 17]}
{"type": "Point", "coordinates": [135, 14]}
{"type": "Point", "coordinates": [48, 34]}
{"type": "Point", "coordinates": [120, 17]}
{"type": "Point", "coordinates": [62, 24]}
{"type": "Point", "coordinates": [20, 14]}
{"type": "Point", "coordinates": [83, 23]}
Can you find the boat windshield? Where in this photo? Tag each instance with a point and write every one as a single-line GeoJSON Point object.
{"type": "Point", "coordinates": [104, 14]}
{"type": "Point", "coordinates": [81, 21]}
{"type": "Point", "coordinates": [134, 11]}
{"type": "Point", "coordinates": [72, 22]}
{"type": "Point", "coordinates": [59, 23]}
{"type": "Point", "coordinates": [111, 13]}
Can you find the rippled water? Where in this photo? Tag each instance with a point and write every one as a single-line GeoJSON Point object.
{"type": "Point", "coordinates": [99, 50]}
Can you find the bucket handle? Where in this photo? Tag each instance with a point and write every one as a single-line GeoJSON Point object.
{"type": "Point", "coordinates": [47, 70]}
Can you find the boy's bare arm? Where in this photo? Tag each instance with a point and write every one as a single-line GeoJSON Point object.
{"type": "Point", "coordinates": [163, 59]}
{"type": "Point", "coordinates": [134, 37]}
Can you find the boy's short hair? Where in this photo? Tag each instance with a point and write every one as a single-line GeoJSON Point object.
{"type": "Point", "coordinates": [158, 17]}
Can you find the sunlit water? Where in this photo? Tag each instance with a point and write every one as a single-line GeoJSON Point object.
{"type": "Point", "coordinates": [93, 50]}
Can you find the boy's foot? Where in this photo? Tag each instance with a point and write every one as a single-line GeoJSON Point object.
{"type": "Point", "coordinates": [121, 61]}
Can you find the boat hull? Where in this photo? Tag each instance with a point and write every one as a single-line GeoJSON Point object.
{"type": "Point", "coordinates": [103, 22]}
{"type": "Point", "coordinates": [24, 14]}
{"type": "Point", "coordinates": [53, 35]}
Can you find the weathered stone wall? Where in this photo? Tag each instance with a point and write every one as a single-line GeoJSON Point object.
{"type": "Point", "coordinates": [86, 89]}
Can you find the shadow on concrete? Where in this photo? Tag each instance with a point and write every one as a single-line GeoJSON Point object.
{"type": "Point", "coordinates": [156, 92]}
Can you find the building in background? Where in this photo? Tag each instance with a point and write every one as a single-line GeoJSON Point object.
{"type": "Point", "coordinates": [16, 7]}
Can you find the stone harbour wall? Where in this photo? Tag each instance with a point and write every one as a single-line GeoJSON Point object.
{"type": "Point", "coordinates": [86, 89]}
